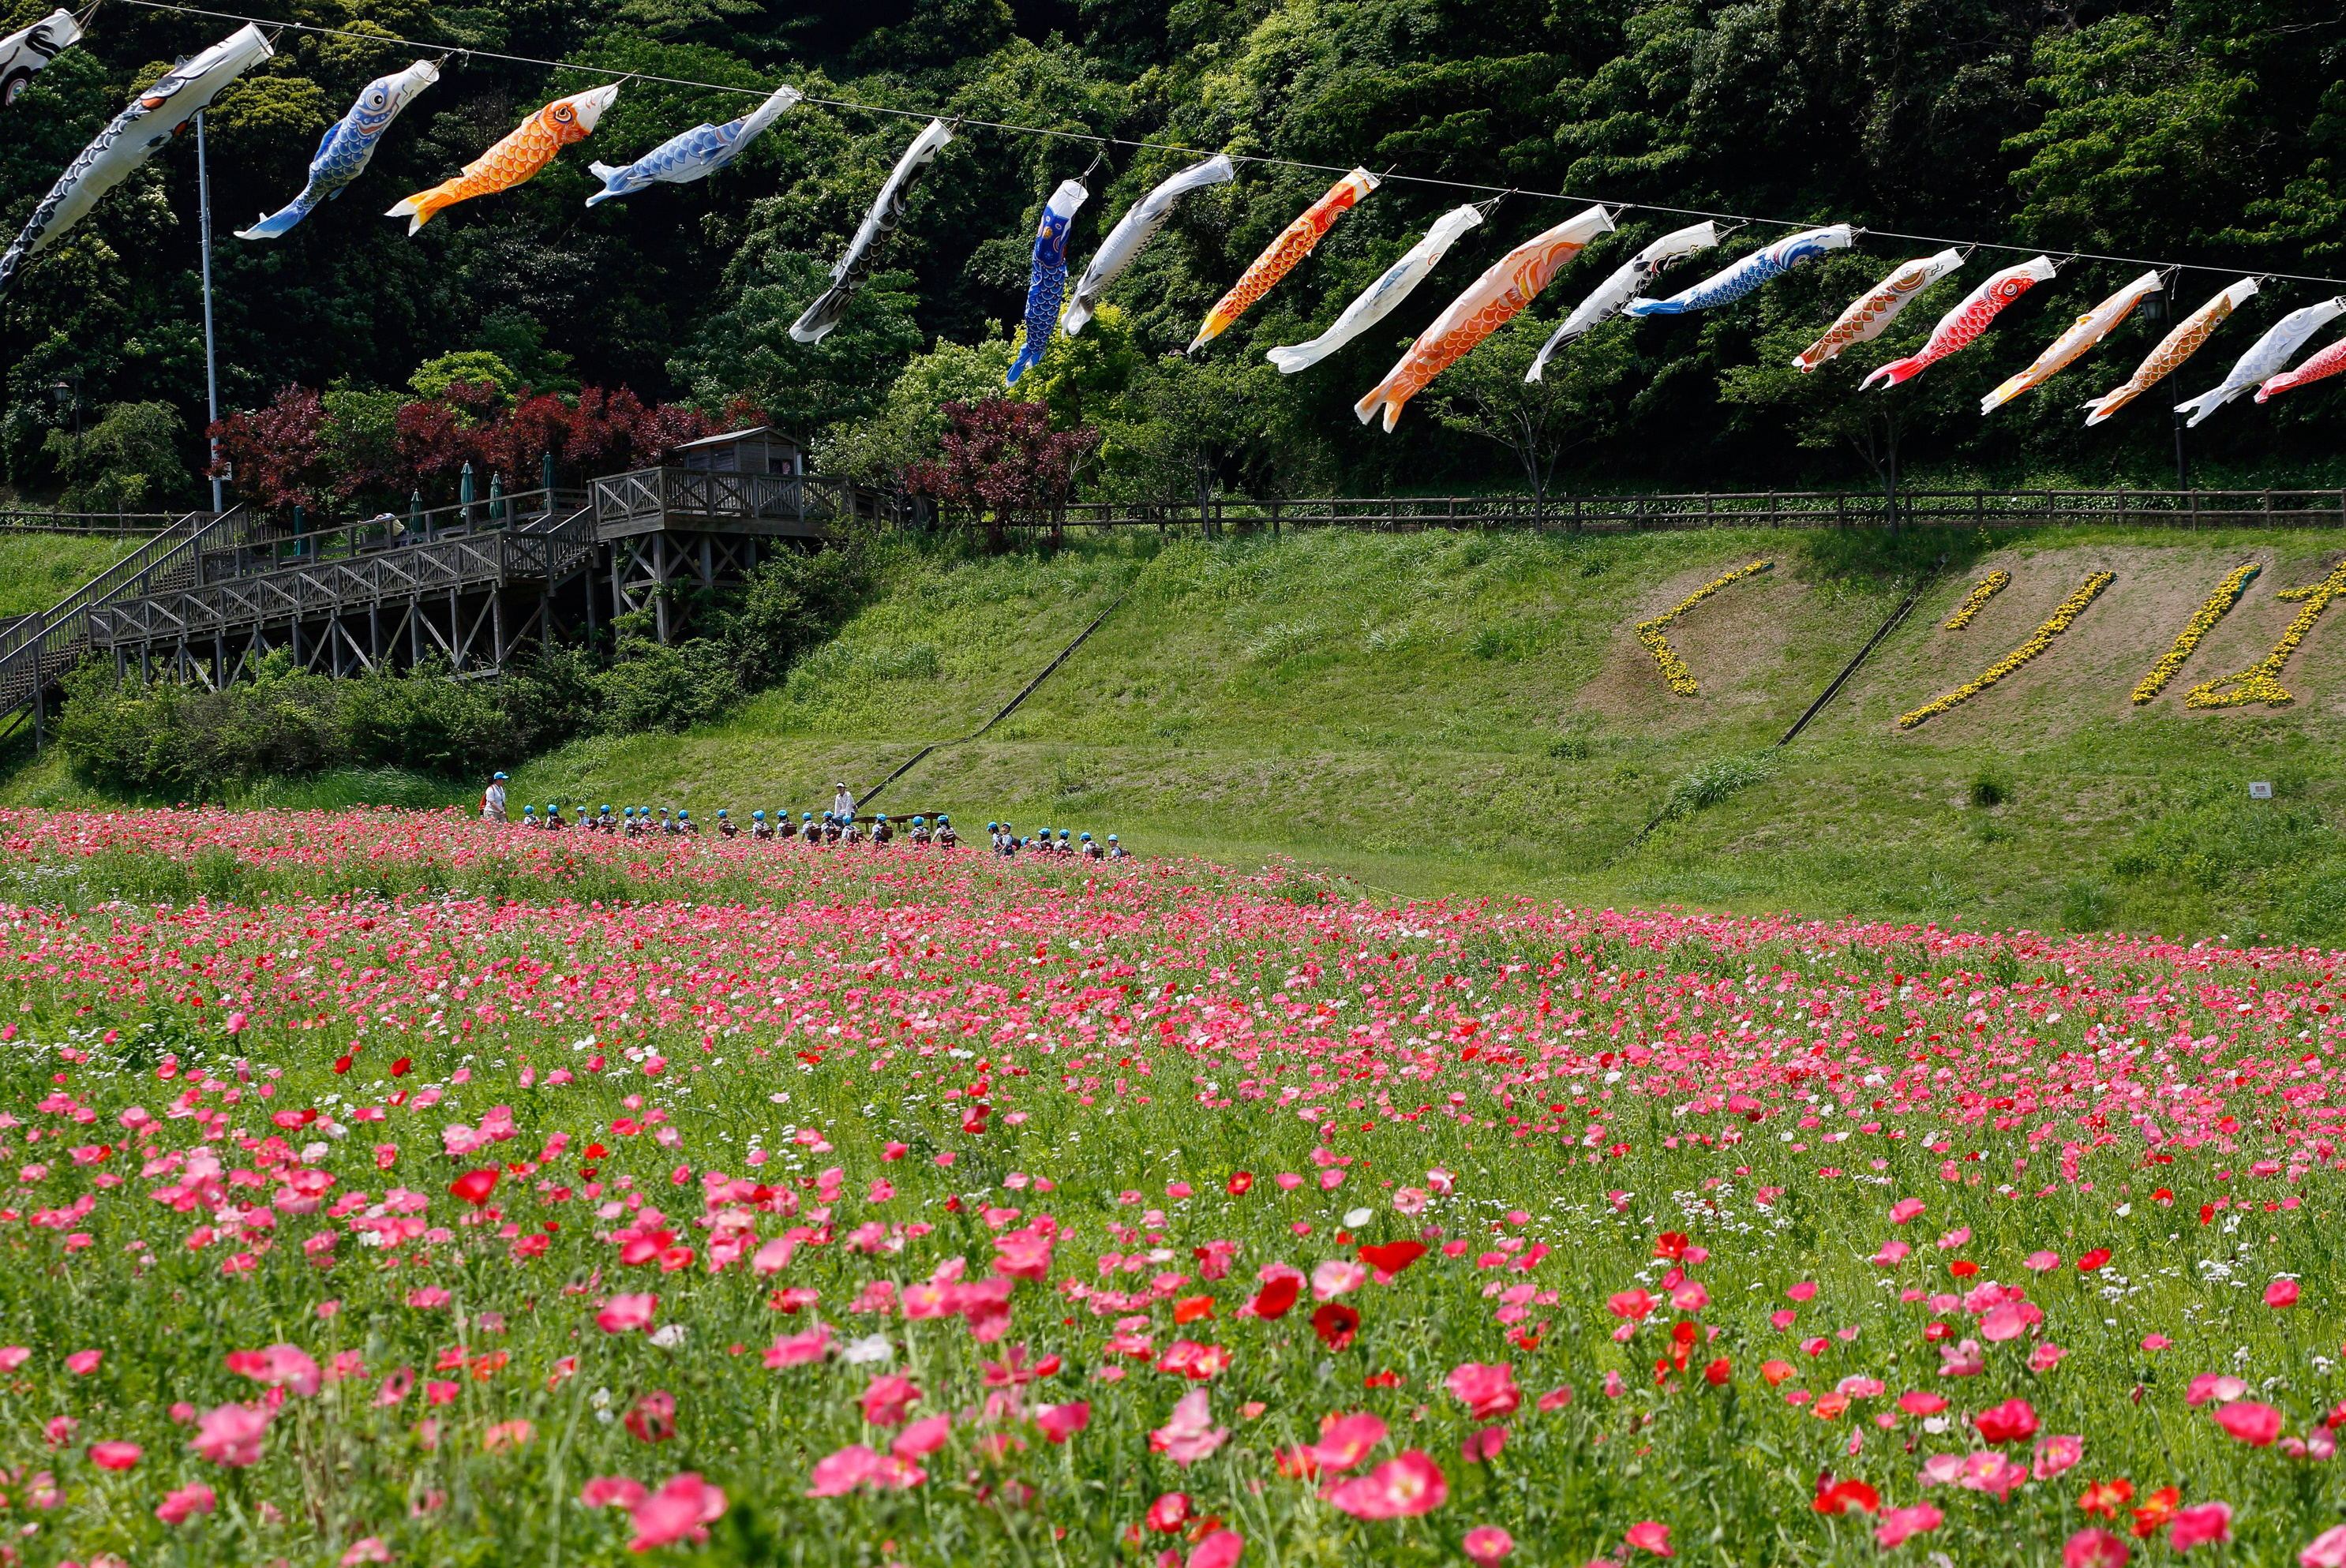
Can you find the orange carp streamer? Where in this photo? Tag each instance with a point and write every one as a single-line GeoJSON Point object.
{"type": "Point", "coordinates": [1280, 256]}
{"type": "Point", "coordinates": [1492, 301]}
{"type": "Point", "coordinates": [2174, 349]}
{"type": "Point", "coordinates": [527, 148]}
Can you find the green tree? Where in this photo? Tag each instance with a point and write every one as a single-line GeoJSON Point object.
{"type": "Point", "coordinates": [128, 461]}
{"type": "Point", "coordinates": [1488, 395]}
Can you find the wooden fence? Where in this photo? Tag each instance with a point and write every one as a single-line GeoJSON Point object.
{"type": "Point", "coordinates": [2180, 509]}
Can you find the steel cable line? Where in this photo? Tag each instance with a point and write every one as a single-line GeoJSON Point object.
{"type": "Point", "coordinates": [1104, 141]}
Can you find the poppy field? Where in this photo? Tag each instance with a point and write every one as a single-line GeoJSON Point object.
{"type": "Point", "coordinates": [390, 1188]}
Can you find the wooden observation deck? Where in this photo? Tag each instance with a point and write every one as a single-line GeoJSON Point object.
{"type": "Point", "coordinates": [472, 583]}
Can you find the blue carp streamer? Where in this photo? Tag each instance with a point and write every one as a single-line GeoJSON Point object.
{"type": "Point", "coordinates": [1047, 284]}
{"type": "Point", "coordinates": [1767, 263]}
{"type": "Point", "coordinates": [344, 152]}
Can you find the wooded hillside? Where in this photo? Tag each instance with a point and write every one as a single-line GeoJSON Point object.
{"type": "Point", "coordinates": [2201, 132]}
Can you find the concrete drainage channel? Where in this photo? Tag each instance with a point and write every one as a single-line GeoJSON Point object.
{"type": "Point", "coordinates": [1007, 708]}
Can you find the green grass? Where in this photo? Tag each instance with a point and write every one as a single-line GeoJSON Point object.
{"type": "Point", "coordinates": [37, 570]}
{"type": "Point", "coordinates": [1437, 714]}
{"type": "Point", "coordinates": [1464, 714]}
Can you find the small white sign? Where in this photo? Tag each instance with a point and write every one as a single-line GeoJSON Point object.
{"type": "Point", "coordinates": [2259, 792]}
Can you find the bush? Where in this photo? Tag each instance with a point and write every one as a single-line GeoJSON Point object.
{"type": "Point", "coordinates": [674, 688]}
{"type": "Point", "coordinates": [1721, 777]}
{"type": "Point", "coordinates": [426, 720]}
{"type": "Point", "coordinates": [194, 744]}
{"type": "Point", "coordinates": [792, 605]}
{"type": "Point", "coordinates": [1990, 788]}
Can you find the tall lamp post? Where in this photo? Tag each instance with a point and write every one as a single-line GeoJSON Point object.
{"type": "Point", "coordinates": [212, 366]}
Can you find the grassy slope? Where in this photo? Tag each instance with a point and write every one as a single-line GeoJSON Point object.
{"type": "Point", "coordinates": [1435, 713]}
{"type": "Point", "coordinates": [37, 570]}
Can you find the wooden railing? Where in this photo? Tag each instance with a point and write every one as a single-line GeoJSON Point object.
{"type": "Point", "coordinates": [29, 520]}
{"type": "Point", "coordinates": [36, 650]}
{"type": "Point", "coordinates": [677, 497]}
{"type": "Point", "coordinates": [279, 543]}
{"type": "Point", "coordinates": [2187, 509]}
{"type": "Point", "coordinates": [452, 560]}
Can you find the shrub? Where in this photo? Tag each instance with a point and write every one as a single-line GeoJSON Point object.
{"type": "Point", "coordinates": [673, 688]}
{"type": "Point", "coordinates": [1719, 778]}
{"type": "Point", "coordinates": [1990, 788]}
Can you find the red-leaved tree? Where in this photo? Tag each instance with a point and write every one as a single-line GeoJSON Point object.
{"type": "Point", "coordinates": [279, 453]}
{"type": "Point", "coordinates": [1003, 461]}
{"type": "Point", "coordinates": [285, 453]}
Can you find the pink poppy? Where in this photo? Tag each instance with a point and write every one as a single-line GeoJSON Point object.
{"type": "Point", "coordinates": [1920, 1402]}
{"type": "Point", "coordinates": [888, 1400]}
{"type": "Point", "coordinates": [2093, 1549]}
{"type": "Point", "coordinates": [609, 1491]}
{"type": "Point", "coordinates": [82, 1363]}
{"type": "Point", "coordinates": [2041, 1261]}
{"type": "Point", "coordinates": [1402, 1487]}
{"type": "Point", "coordinates": [799, 1349]}
{"type": "Point", "coordinates": [2282, 1293]}
{"type": "Point", "coordinates": [1650, 1536]}
{"type": "Point", "coordinates": [1802, 1291]}
{"type": "Point", "coordinates": [280, 1366]}
{"type": "Point", "coordinates": [625, 1314]}
{"type": "Point", "coordinates": [230, 1434]}
{"type": "Point", "coordinates": [1906, 1209]}
{"type": "Point", "coordinates": [1168, 1513]}
{"type": "Point", "coordinates": [682, 1509]}
{"type": "Point", "coordinates": [2199, 1523]}
{"type": "Point", "coordinates": [924, 1436]}
{"type": "Point", "coordinates": [115, 1455]}
{"type": "Point", "coordinates": [1899, 1523]}
{"type": "Point", "coordinates": [1060, 1422]}
{"type": "Point", "coordinates": [2327, 1550]}
{"type": "Point", "coordinates": [366, 1549]}
{"type": "Point", "coordinates": [2056, 1455]}
{"type": "Point", "coordinates": [1966, 1360]}
{"type": "Point", "coordinates": [1346, 1441]}
{"type": "Point", "coordinates": [1487, 1543]}
{"type": "Point", "coordinates": [2254, 1424]}
{"type": "Point", "coordinates": [1190, 1434]}
{"type": "Point", "coordinates": [1488, 1392]}
{"type": "Point", "coordinates": [2213, 1386]}
{"type": "Point", "coordinates": [2154, 1343]}
{"type": "Point", "coordinates": [1222, 1549]}
{"type": "Point", "coordinates": [1335, 1277]}
{"type": "Point", "coordinates": [186, 1500]}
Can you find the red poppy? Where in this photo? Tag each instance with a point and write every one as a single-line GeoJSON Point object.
{"type": "Point", "coordinates": [1238, 1184]}
{"type": "Point", "coordinates": [342, 1062]}
{"type": "Point", "coordinates": [399, 1068]}
{"type": "Point", "coordinates": [1842, 1496]}
{"type": "Point", "coordinates": [1335, 1323]}
{"type": "Point", "coordinates": [2010, 1421]}
{"type": "Point", "coordinates": [1392, 1257]}
{"type": "Point", "coordinates": [2105, 1498]}
{"type": "Point", "coordinates": [475, 1187]}
{"type": "Point", "coordinates": [1672, 1245]}
{"type": "Point", "coordinates": [1193, 1308]}
{"type": "Point", "coordinates": [1962, 1268]}
{"type": "Point", "coordinates": [598, 1152]}
{"type": "Point", "coordinates": [2206, 1213]}
{"type": "Point", "coordinates": [1277, 1296]}
{"type": "Point", "coordinates": [1717, 1372]}
{"type": "Point", "coordinates": [2155, 1511]}
{"type": "Point", "coordinates": [2094, 1259]}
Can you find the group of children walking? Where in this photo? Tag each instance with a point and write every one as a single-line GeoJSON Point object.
{"type": "Point", "coordinates": [841, 825]}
